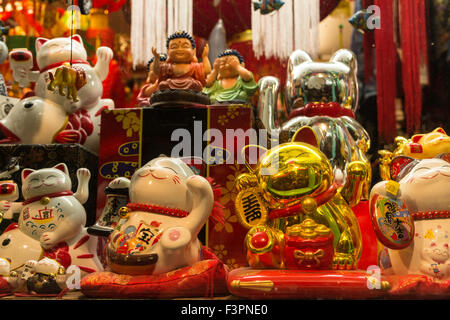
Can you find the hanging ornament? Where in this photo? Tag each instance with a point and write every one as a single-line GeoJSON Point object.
{"type": "Point", "coordinates": [217, 41]}
{"type": "Point", "coordinates": [267, 6]}
{"type": "Point", "coordinates": [386, 63]}
{"type": "Point", "coordinates": [359, 20]}
{"type": "Point", "coordinates": [68, 79]}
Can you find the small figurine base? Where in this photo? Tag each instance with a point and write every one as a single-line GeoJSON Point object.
{"type": "Point", "coordinates": [298, 284]}
{"type": "Point", "coordinates": [228, 103]}
{"type": "Point", "coordinates": [170, 97]}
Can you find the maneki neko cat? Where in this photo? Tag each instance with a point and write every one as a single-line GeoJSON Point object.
{"type": "Point", "coordinates": [324, 96]}
{"type": "Point", "coordinates": [66, 78]}
{"type": "Point", "coordinates": [34, 120]}
{"type": "Point", "coordinates": [411, 216]}
{"type": "Point", "coordinates": [169, 204]}
{"type": "Point", "coordinates": [299, 216]}
{"type": "Point", "coordinates": [420, 146]}
{"type": "Point", "coordinates": [51, 221]}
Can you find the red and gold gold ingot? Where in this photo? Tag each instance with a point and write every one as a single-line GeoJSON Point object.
{"type": "Point", "coordinates": [308, 246]}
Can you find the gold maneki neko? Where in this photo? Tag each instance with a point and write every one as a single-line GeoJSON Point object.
{"type": "Point", "coordinates": [420, 146]}
{"type": "Point", "coordinates": [299, 217]}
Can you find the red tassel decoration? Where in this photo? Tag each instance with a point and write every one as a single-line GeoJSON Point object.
{"type": "Point", "coordinates": [386, 73]}
{"type": "Point", "coordinates": [412, 24]}
{"type": "Point", "coordinates": [368, 44]}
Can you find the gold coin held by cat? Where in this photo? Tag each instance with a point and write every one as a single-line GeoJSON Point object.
{"type": "Point", "coordinates": [44, 200]}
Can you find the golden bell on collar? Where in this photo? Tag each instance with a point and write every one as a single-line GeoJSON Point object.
{"type": "Point", "coordinates": [44, 200]}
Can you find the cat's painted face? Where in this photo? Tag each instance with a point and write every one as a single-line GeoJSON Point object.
{"type": "Point", "coordinates": [59, 49]}
{"type": "Point", "coordinates": [427, 185]}
{"type": "Point", "coordinates": [162, 182]}
{"type": "Point", "coordinates": [45, 181]}
{"type": "Point", "coordinates": [429, 171]}
{"type": "Point", "coordinates": [438, 252]}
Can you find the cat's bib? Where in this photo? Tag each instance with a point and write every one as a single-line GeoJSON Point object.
{"type": "Point", "coordinates": [43, 215]}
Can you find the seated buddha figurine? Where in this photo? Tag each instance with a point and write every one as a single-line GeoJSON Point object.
{"type": "Point", "coordinates": [151, 83]}
{"type": "Point", "coordinates": [229, 80]}
{"type": "Point", "coordinates": [181, 72]}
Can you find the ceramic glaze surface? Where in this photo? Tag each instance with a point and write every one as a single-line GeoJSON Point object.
{"type": "Point", "coordinates": [51, 55]}
{"type": "Point", "coordinates": [168, 207]}
{"type": "Point", "coordinates": [425, 191]}
{"type": "Point", "coordinates": [51, 221]}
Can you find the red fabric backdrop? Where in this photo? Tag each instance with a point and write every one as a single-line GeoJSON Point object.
{"type": "Point", "coordinates": [236, 15]}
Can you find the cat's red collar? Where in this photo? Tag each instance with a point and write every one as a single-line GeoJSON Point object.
{"type": "Point", "coordinates": [50, 195]}
{"type": "Point", "coordinates": [433, 214]}
{"type": "Point", "coordinates": [58, 64]}
{"type": "Point", "coordinates": [158, 209]}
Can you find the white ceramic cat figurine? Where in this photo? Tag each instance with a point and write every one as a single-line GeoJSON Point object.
{"type": "Point", "coordinates": [424, 188]}
{"type": "Point", "coordinates": [51, 212]}
{"type": "Point", "coordinates": [169, 205]}
{"type": "Point", "coordinates": [51, 54]}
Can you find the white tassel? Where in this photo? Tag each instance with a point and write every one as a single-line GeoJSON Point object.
{"type": "Point", "coordinates": [137, 26]}
{"type": "Point", "coordinates": [315, 20]}
{"type": "Point", "coordinates": [170, 14]}
{"type": "Point", "coordinates": [152, 21]}
{"type": "Point", "coordinates": [294, 26]}
{"type": "Point", "coordinates": [161, 28]}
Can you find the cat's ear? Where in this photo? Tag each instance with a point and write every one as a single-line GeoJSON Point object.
{"type": "Point", "coordinates": [306, 134]}
{"type": "Point", "coordinates": [39, 43]}
{"type": "Point", "coordinates": [62, 167]}
{"type": "Point", "coordinates": [26, 173]}
{"type": "Point", "coordinates": [78, 38]}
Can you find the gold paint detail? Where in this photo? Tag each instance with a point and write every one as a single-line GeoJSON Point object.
{"type": "Point", "coordinates": [241, 37]}
{"type": "Point", "coordinates": [385, 285]}
{"type": "Point", "coordinates": [44, 200]}
{"type": "Point", "coordinates": [308, 256]}
{"type": "Point", "coordinates": [250, 208]}
{"type": "Point", "coordinates": [61, 271]}
{"type": "Point", "coordinates": [123, 212]}
{"type": "Point", "coordinates": [259, 285]}
{"type": "Point", "coordinates": [309, 205]}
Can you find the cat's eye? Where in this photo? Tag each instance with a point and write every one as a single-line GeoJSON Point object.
{"type": "Point", "coordinates": [6, 242]}
{"type": "Point", "coordinates": [171, 169]}
{"type": "Point", "coordinates": [34, 180]}
{"type": "Point", "coordinates": [51, 176]}
{"type": "Point", "coordinates": [422, 168]}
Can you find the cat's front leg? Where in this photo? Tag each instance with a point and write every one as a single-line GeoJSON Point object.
{"type": "Point", "coordinates": [66, 230]}
{"type": "Point", "coordinates": [49, 240]}
{"type": "Point", "coordinates": [175, 238]}
{"type": "Point", "coordinates": [104, 57]}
